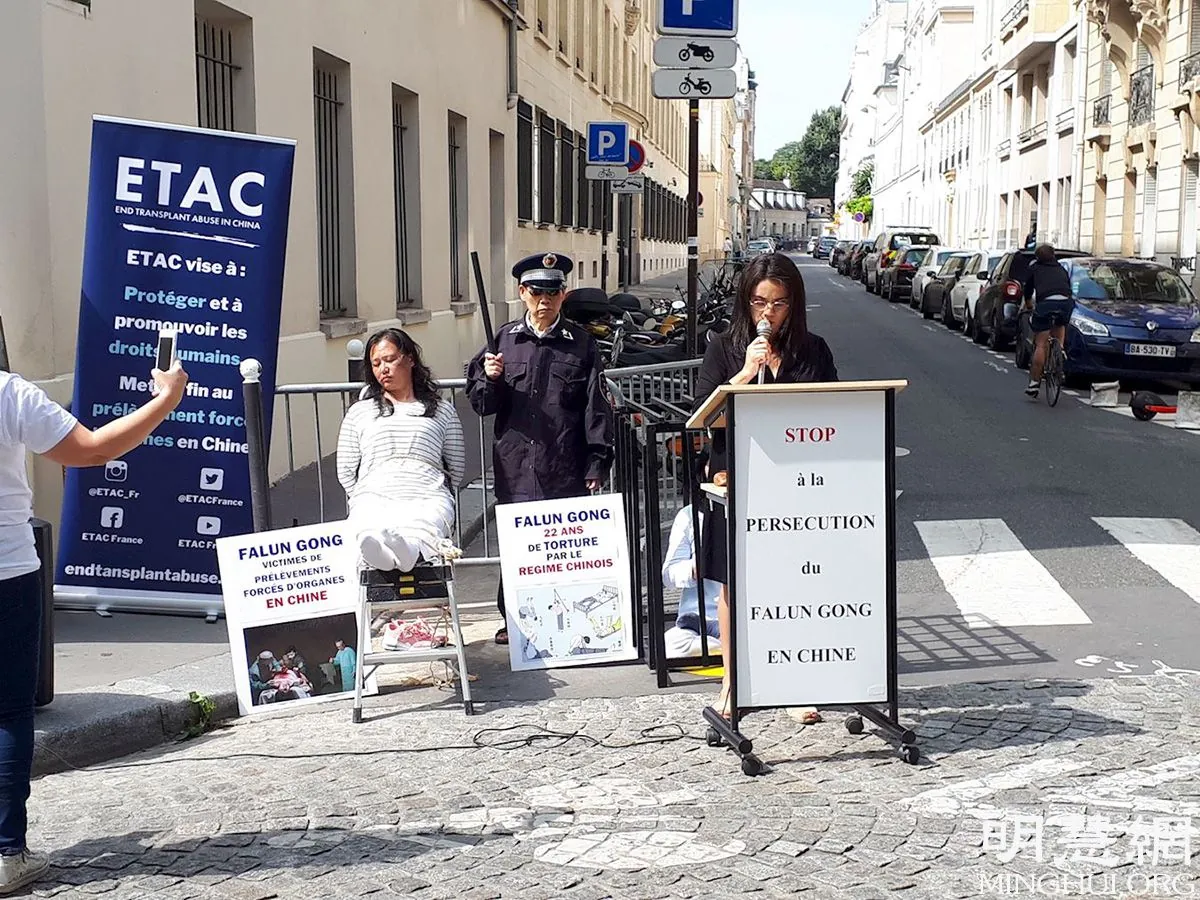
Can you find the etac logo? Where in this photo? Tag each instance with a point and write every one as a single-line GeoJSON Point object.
{"type": "Point", "coordinates": [197, 187]}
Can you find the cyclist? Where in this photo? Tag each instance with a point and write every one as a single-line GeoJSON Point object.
{"type": "Point", "coordinates": [1051, 284]}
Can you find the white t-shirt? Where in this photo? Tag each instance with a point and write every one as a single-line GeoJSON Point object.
{"type": "Point", "coordinates": [28, 419]}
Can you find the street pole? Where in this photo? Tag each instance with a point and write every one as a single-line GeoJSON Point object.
{"type": "Point", "coordinates": [693, 224]}
{"type": "Point", "coordinates": [605, 210]}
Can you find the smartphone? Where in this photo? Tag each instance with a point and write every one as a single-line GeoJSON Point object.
{"type": "Point", "coordinates": [166, 350]}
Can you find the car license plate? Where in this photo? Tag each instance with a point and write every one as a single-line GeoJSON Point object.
{"type": "Point", "coordinates": [1150, 349]}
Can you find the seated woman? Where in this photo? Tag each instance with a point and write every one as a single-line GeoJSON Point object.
{"type": "Point", "coordinates": [400, 456]}
{"type": "Point", "coordinates": [771, 290]}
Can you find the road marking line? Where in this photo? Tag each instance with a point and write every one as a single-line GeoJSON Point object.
{"type": "Point", "coordinates": [964, 796]}
{"type": "Point", "coordinates": [996, 366]}
{"type": "Point", "coordinates": [1171, 547]}
{"type": "Point", "coordinates": [993, 579]}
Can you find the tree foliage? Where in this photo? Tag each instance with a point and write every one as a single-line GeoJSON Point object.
{"type": "Point", "coordinates": [811, 163]}
{"type": "Point", "coordinates": [861, 185]}
{"type": "Point", "coordinates": [764, 170]}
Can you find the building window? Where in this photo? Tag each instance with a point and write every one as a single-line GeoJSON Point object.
{"type": "Point", "coordinates": [1149, 213]}
{"type": "Point", "coordinates": [224, 80]}
{"type": "Point", "coordinates": [524, 161]}
{"type": "Point", "coordinates": [582, 198]}
{"type": "Point", "coordinates": [581, 37]}
{"type": "Point", "coordinates": [543, 16]}
{"type": "Point", "coordinates": [406, 181]}
{"type": "Point", "coordinates": [335, 185]}
{"type": "Point", "coordinates": [1187, 208]}
{"type": "Point", "coordinates": [546, 180]}
{"type": "Point", "coordinates": [457, 158]}
{"type": "Point", "coordinates": [566, 177]}
{"type": "Point", "coordinates": [564, 32]}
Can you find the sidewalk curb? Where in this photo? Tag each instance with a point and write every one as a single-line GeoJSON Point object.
{"type": "Point", "coordinates": [83, 728]}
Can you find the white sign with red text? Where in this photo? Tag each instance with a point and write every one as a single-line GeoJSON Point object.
{"type": "Point", "coordinates": [811, 551]}
{"type": "Point", "coordinates": [568, 589]}
{"type": "Point", "coordinates": [292, 609]}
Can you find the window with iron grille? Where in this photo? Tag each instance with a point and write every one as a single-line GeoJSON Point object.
{"type": "Point", "coordinates": [335, 248]}
{"type": "Point", "coordinates": [457, 157]}
{"type": "Point", "coordinates": [524, 161]}
{"type": "Point", "coordinates": [566, 178]}
{"type": "Point", "coordinates": [546, 180]}
{"type": "Point", "coordinates": [406, 200]}
{"type": "Point", "coordinates": [215, 74]}
{"type": "Point", "coordinates": [583, 199]}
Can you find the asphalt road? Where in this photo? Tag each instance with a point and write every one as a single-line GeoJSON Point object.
{"type": "Point", "coordinates": [1031, 541]}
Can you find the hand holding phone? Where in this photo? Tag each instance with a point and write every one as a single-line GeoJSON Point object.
{"type": "Point", "coordinates": [166, 350]}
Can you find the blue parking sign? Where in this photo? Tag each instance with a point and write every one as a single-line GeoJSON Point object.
{"type": "Point", "coordinates": [702, 18]}
{"type": "Point", "coordinates": [608, 144]}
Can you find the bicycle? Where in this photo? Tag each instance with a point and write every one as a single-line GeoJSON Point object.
{"type": "Point", "coordinates": [1054, 372]}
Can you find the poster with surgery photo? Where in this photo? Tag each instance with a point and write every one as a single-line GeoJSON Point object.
{"type": "Point", "coordinates": [292, 609]}
{"type": "Point", "coordinates": [568, 589]}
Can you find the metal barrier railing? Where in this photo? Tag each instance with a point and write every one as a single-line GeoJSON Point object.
{"type": "Point", "coordinates": [312, 415]}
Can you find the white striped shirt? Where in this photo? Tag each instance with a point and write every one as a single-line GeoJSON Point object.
{"type": "Point", "coordinates": [404, 456]}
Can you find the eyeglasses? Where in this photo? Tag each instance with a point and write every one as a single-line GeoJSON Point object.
{"type": "Point", "coordinates": [763, 304]}
{"type": "Point", "coordinates": [545, 292]}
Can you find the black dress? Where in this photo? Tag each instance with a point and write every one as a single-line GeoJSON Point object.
{"type": "Point", "coordinates": [721, 362]}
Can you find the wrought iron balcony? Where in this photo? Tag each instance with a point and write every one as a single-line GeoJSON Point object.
{"type": "Point", "coordinates": [1029, 135]}
{"type": "Point", "coordinates": [1189, 68]}
{"type": "Point", "coordinates": [1014, 14]}
{"type": "Point", "coordinates": [1184, 262]}
{"type": "Point", "coordinates": [1065, 120]}
{"type": "Point", "coordinates": [1141, 96]}
{"type": "Point", "coordinates": [1102, 111]}
{"type": "Point", "coordinates": [1005, 148]}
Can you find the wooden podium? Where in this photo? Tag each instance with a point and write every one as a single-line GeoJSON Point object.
{"type": "Point", "coordinates": [811, 536]}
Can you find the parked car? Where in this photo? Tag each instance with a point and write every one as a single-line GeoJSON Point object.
{"type": "Point", "coordinates": [965, 294]}
{"type": "Point", "coordinates": [887, 246]}
{"type": "Point", "coordinates": [1133, 319]}
{"type": "Point", "coordinates": [934, 258]}
{"type": "Point", "coordinates": [812, 244]}
{"type": "Point", "coordinates": [996, 310]}
{"type": "Point", "coordinates": [824, 246]}
{"type": "Point", "coordinates": [854, 267]}
{"type": "Point", "coordinates": [758, 247]}
{"type": "Point", "coordinates": [836, 254]}
{"type": "Point", "coordinates": [897, 279]}
{"type": "Point", "coordinates": [936, 295]}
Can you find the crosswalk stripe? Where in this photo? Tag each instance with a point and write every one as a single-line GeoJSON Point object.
{"type": "Point", "coordinates": [1171, 547]}
{"type": "Point", "coordinates": [993, 579]}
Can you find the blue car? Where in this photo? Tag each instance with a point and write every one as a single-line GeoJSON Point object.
{"type": "Point", "coordinates": [1133, 320]}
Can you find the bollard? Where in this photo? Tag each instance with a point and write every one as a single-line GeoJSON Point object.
{"type": "Point", "coordinates": [1106, 395]}
{"type": "Point", "coordinates": [43, 541]}
{"type": "Point", "coordinates": [1187, 410]}
{"type": "Point", "coordinates": [260, 485]}
{"type": "Point", "coordinates": [355, 362]}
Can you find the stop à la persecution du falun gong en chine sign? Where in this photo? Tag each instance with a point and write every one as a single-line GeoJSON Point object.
{"type": "Point", "coordinates": [567, 586]}
{"type": "Point", "coordinates": [812, 557]}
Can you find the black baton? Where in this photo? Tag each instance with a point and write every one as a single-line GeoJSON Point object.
{"type": "Point", "coordinates": [483, 303]}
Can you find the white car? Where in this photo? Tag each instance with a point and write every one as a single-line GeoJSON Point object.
{"type": "Point", "coordinates": [926, 270]}
{"type": "Point", "coordinates": [755, 248]}
{"type": "Point", "coordinates": [975, 275]}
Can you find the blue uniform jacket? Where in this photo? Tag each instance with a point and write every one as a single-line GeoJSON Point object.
{"type": "Point", "coordinates": [553, 426]}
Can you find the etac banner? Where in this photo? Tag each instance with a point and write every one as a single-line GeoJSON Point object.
{"type": "Point", "coordinates": [186, 231]}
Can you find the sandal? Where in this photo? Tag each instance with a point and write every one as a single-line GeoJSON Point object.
{"type": "Point", "coordinates": [722, 704]}
{"type": "Point", "coordinates": [502, 635]}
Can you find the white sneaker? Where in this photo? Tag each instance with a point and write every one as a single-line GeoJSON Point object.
{"type": "Point", "coordinates": [21, 869]}
{"type": "Point", "coordinates": [375, 552]}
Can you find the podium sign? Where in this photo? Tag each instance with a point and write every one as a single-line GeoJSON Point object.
{"type": "Point", "coordinates": [811, 548]}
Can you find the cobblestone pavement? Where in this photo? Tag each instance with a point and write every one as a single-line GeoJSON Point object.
{"type": "Point", "coordinates": [309, 805]}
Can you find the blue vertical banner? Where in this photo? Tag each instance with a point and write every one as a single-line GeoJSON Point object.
{"type": "Point", "coordinates": [186, 230]}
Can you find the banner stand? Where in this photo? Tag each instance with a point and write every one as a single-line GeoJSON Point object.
{"type": "Point", "coordinates": [799, 403]}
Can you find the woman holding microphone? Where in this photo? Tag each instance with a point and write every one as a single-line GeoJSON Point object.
{"type": "Point", "coordinates": [768, 336]}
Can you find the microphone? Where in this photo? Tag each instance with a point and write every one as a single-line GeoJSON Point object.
{"type": "Point", "coordinates": [764, 330]}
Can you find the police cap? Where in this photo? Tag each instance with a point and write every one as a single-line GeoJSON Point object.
{"type": "Point", "coordinates": [544, 270]}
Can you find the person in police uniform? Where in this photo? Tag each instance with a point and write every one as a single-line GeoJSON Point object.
{"type": "Point", "coordinates": [545, 386]}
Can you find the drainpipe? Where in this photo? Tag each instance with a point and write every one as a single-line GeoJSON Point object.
{"type": "Point", "coordinates": [512, 55]}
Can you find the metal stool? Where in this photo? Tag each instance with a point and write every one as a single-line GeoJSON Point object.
{"type": "Point", "coordinates": [429, 586]}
